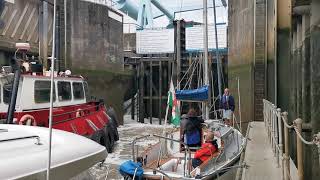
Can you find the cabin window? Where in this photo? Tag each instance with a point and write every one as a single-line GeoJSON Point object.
{"type": "Point", "coordinates": [64, 91]}
{"type": "Point", "coordinates": [86, 90]}
{"type": "Point", "coordinates": [7, 93]}
{"type": "Point", "coordinates": [78, 90]}
{"type": "Point", "coordinates": [42, 92]}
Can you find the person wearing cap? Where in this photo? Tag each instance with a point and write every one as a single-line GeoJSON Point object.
{"type": "Point", "coordinates": [206, 151]}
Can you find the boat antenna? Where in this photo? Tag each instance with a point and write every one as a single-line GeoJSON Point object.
{"type": "Point", "coordinates": [51, 87]}
{"type": "Point", "coordinates": [206, 64]}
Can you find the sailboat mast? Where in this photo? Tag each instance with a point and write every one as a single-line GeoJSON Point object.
{"type": "Point", "coordinates": [205, 46]}
{"type": "Point", "coordinates": [51, 88]}
{"type": "Point", "coordinates": [217, 49]}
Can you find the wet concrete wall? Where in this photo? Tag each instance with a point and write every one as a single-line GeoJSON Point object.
{"type": "Point", "coordinates": [95, 50]}
{"type": "Point", "coordinates": [292, 69]}
{"type": "Point", "coordinates": [241, 54]}
{"type": "Point", "coordinates": [315, 79]}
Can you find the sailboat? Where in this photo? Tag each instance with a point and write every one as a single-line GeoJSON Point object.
{"type": "Point", "coordinates": [171, 158]}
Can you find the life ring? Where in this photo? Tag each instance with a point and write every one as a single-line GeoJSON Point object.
{"type": "Point", "coordinates": [27, 120]}
{"type": "Point", "coordinates": [79, 113]}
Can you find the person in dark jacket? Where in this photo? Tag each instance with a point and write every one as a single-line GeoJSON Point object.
{"type": "Point", "coordinates": [206, 151]}
{"type": "Point", "coordinates": [227, 105]}
{"type": "Point", "coordinates": [191, 129]}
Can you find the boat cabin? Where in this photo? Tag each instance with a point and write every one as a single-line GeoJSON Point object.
{"type": "Point", "coordinates": [34, 92]}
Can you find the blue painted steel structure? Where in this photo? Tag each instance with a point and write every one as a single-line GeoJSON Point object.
{"type": "Point", "coordinates": [142, 13]}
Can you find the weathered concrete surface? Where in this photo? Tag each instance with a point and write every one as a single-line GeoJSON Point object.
{"type": "Point", "coordinates": [95, 50]}
{"type": "Point", "coordinates": [96, 38]}
{"type": "Point", "coordinates": [241, 53]}
{"type": "Point", "coordinates": [259, 156]}
{"type": "Point", "coordinates": [129, 41]}
{"type": "Point", "coordinates": [315, 80]}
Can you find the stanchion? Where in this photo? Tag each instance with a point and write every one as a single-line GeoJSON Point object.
{"type": "Point", "coordinates": [280, 155]}
{"type": "Point", "coordinates": [286, 147]}
{"type": "Point", "coordinates": [298, 123]}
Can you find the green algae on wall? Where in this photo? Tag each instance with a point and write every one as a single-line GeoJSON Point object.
{"type": "Point", "coordinates": [245, 73]}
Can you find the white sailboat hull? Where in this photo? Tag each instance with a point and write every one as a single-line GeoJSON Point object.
{"type": "Point", "coordinates": [24, 157]}
{"type": "Point", "coordinates": [174, 166]}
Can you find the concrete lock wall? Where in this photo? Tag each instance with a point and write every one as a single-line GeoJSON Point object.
{"type": "Point", "coordinates": [241, 54]}
{"type": "Point", "coordinates": [95, 50]}
{"type": "Point", "coordinates": [291, 62]}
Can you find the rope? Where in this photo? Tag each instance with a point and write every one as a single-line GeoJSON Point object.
{"type": "Point", "coordinates": [302, 139]}
{"type": "Point", "coordinates": [186, 72]}
{"type": "Point", "coordinates": [191, 76]}
{"type": "Point", "coordinates": [285, 123]}
{"type": "Point", "coordinates": [315, 140]}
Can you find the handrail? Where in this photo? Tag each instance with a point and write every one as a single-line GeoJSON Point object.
{"type": "Point", "coordinates": [24, 137]}
{"type": "Point", "coordinates": [274, 118]}
{"type": "Point", "coordinates": [134, 142]}
{"type": "Point", "coordinates": [165, 174]}
{"type": "Point", "coordinates": [186, 147]}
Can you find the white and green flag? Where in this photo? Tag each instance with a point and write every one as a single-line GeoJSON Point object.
{"type": "Point", "coordinates": [175, 105]}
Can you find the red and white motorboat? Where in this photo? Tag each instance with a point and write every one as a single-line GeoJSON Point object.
{"type": "Point", "coordinates": [74, 109]}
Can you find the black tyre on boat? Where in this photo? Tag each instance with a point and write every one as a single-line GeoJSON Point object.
{"type": "Point", "coordinates": [102, 138]}
{"type": "Point", "coordinates": [109, 134]}
{"type": "Point", "coordinates": [113, 122]}
{"type": "Point", "coordinates": [108, 139]}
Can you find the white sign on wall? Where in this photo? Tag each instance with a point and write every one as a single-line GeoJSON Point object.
{"type": "Point", "coordinates": [155, 41]}
{"type": "Point", "coordinates": [194, 37]}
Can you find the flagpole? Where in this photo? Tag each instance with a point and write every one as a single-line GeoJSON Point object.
{"type": "Point", "coordinates": [166, 116]}
{"type": "Point", "coordinates": [165, 124]}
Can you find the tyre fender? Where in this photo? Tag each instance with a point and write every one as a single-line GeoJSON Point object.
{"type": "Point", "coordinates": [108, 140]}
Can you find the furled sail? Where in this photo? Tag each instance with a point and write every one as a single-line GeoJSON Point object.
{"type": "Point", "coordinates": [200, 94]}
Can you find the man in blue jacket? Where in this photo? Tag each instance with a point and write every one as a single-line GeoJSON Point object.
{"type": "Point", "coordinates": [228, 106]}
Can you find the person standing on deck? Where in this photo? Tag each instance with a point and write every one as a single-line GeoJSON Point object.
{"type": "Point", "coordinates": [228, 106]}
{"type": "Point", "coordinates": [191, 129]}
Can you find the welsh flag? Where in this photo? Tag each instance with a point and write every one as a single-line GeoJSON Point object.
{"type": "Point", "coordinates": [175, 105]}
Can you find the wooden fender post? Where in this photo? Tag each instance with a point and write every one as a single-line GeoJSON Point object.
{"type": "Point", "coordinates": [298, 123]}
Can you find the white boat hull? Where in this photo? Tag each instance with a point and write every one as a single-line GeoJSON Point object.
{"type": "Point", "coordinates": [22, 158]}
